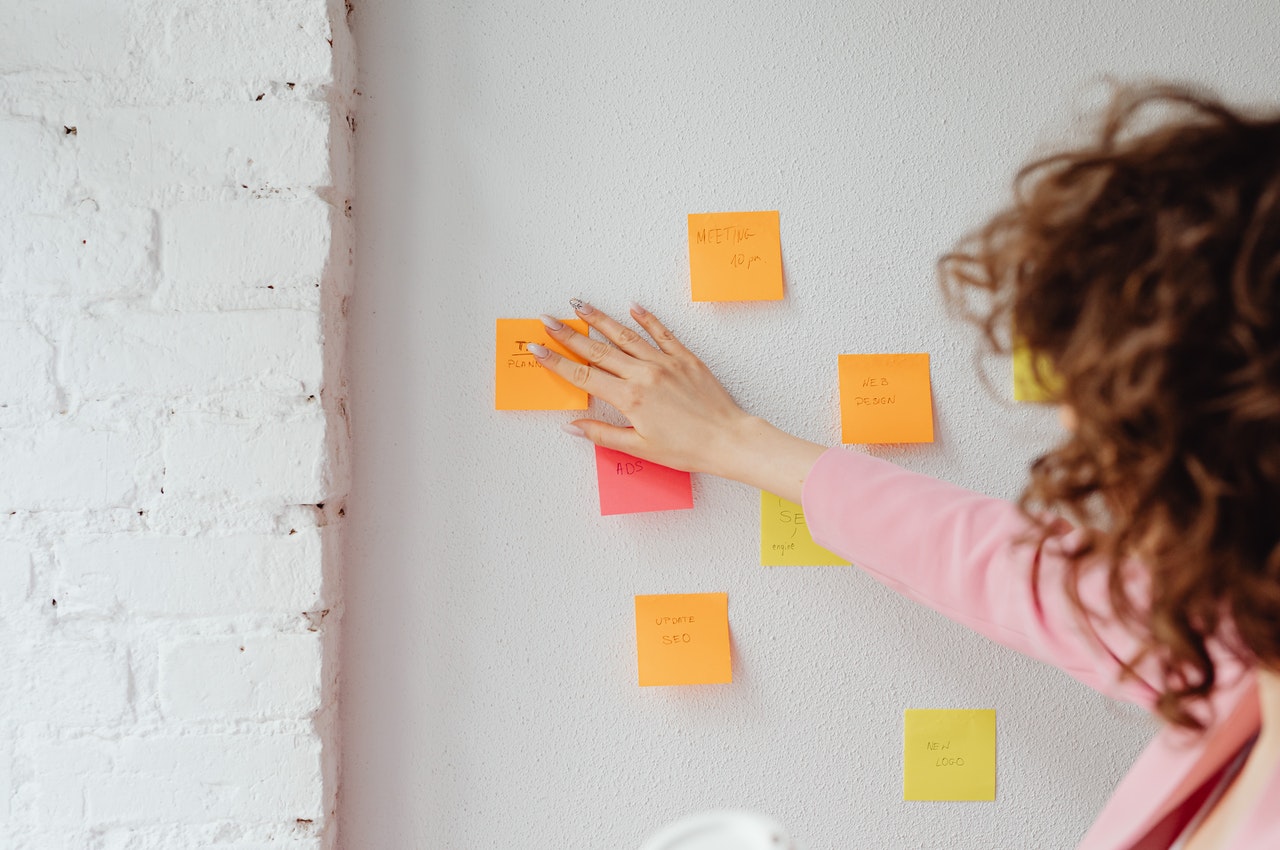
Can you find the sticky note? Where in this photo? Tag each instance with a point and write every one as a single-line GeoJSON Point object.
{"type": "Point", "coordinates": [949, 754]}
{"type": "Point", "coordinates": [521, 382]}
{"type": "Point", "coordinates": [629, 485]}
{"type": "Point", "coordinates": [1027, 386]}
{"type": "Point", "coordinates": [735, 256]}
{"type": "Point", "coordinates": [785, 539]}
{"type": "Point", "coordinates": [885, 398]}
{"type": "Point", "coordinates": [683, 639]}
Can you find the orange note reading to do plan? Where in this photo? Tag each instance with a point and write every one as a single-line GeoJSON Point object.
{"type": "Point", "coordinates": [683, 639]}
{"type": "Point", "coordinates": [735, 256]}
{"type": "Point", "coordinates": [885, 398]}
{"type": "Point", "coordinates": [629, 485]}
{"type": "Point", "coordinates": [521, 382]}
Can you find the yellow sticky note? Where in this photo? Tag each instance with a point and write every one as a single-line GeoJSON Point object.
{"type": "Point", "coordinates": [885, 398]}
{"type": "Point", "coordinates": [521, 382]}
{"type": "Point", "coordinates": [785, 539]}
{"type": "Point", "coordinates": [949, 754]}
{"type": "Point", "coordinates": [1027, 386]}
{"type": "Point", "coordinates": [735, 256]}
{"type": "Point", "coordinates": [683, 639]}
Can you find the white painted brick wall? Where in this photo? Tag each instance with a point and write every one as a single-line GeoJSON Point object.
{"type": "Point", "coordinates": [205, 246]}
{"type": "Point", "coordinates": [189, 577]}
{"type": "Point", "coordinates": [266, 146]}
{"type": "Point", "coordinates": [87, 252]}
{"type": "Point", "coordinates": [264, 676]}
{"type": "Point", "coordinates": [172, 354]}
{"type": "Point", "coordinates": [175, 252]}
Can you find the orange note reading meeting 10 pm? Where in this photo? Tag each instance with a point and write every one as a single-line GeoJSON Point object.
{"type": "Point", "coordinates": [735, 256]}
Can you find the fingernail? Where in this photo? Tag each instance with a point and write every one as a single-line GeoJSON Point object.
{"type": "Point", "coordinates": [552, 323]}
{"type": "Point", "coordinates": [572, 430]}
{"type": "Point", "coordinates": [581, 306]}
{"type": "Point", "coordinates": [536, 350]}
{"type": "Point", "coordinates": [638, 310]}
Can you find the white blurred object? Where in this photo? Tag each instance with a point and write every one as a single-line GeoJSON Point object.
{"type": "Point", "coordinates": [722, 831]}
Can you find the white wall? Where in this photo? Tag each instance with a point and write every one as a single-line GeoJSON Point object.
{"type": "Point", "coordinates": [516, 154]}
{"type": "Point", "coordinates": [174, 250]}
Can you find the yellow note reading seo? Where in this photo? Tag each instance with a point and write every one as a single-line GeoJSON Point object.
{"type": "Point", "coordinates": [785, 540]}
{"type": "Point", "coordinates": [949, 754]}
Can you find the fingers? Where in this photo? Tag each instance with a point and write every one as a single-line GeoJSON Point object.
{"type": "Point", "coordinates": [615, 437]}
{"type": "Point", "coordinates": [596, 352]}
{"type": "Point", "coordinates": [619, 334]}
{"type": "Point", "coordinates": [665, 339]}
{"type": "Point", "coordinates": [609, 364]}
{"type": "Point", "coordinates": [587, 376]}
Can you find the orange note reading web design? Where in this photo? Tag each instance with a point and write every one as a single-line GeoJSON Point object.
{"type": "Point", "coordinates": [885, 398]}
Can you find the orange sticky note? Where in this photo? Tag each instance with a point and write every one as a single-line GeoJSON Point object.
{"type": "Point", "coordinates": [629, 485]}
{"type": "Point", "coordinates": [521, 382]}
{"type": "Point", "coordinates": [885, 398]}
{"type": "Point", "coordinates": [683, 639]}
{"type": "Point", "coordinates": [735, 256]}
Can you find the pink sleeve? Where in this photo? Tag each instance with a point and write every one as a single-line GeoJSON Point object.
{"type": "Point", "coordinates": [964, 555]}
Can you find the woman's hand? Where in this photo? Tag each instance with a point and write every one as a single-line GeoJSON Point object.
{"type": "Point", "coordinates": [681, 415]}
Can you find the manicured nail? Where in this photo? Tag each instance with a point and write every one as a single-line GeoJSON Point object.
{"type": "Point", "coordinates": [536, 350]}
{"type": "Point", "coordinates": [581, 306]}
{"type": "Point", "coordinates": [552, 323]}
{"type": "Point", "coordinates": [573, 430]}
{"type": "Point", "coordinates": [637, 310]}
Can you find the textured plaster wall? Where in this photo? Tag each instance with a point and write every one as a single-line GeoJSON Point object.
{"type": "Point", "coordinates": [516, 154]}
{"type": "Point", "coordinates": [174, 254]}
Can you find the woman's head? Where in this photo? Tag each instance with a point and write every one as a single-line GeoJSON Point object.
{"type": "Point", "coordinates": [1145, 268]}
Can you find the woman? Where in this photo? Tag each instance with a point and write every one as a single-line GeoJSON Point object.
{"type": "Point", "coordinates": [1144, 268]}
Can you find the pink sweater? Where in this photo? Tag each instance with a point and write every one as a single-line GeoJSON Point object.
{"type": "Point", "coordinates": [964, 555]}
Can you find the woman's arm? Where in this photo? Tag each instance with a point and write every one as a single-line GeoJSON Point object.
{"type": "Point", "coordinates": [973, 558]}
{"type": "Point", "coordinates": [966, 555]}
{"type": "Point", "coordinates": [681, 415]}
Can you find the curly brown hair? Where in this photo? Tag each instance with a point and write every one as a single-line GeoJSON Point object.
{"type": "Point", "coordinates": [1144, 268]}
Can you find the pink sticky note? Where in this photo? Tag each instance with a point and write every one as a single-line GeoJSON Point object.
{"type": "Point", "coordinates": [629, 485]}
